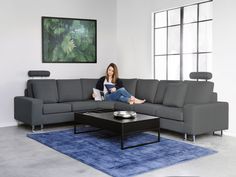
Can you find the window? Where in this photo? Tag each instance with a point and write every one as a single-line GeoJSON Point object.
{"type": "Point", "coordinates": [182, 41]}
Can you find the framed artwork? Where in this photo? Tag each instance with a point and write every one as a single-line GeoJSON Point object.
{"type": "Point", "coordinates": [69, 40]}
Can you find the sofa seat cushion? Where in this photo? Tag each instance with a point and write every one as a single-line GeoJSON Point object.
{"type": "Point", "coordinates": [146, 108]}
{"type": "Point", "coordinates": [106, 104]}
{"type": "Point", "coordinates": [173, 113]}
{"type": "Point", "coordinates": [120, 106]}
{"type": "Point", "coordinates": [45, 90]}
{"type": "Point", "coordinates": [84, 105]}
{"type": "Point", "coordinates": [146, 89]}
{"type": "Point", "coordinates": [175, 94]}
{"type": "Point", "coordinates": [69, 90]}
{"type": "Point", "coordinates": [56, 108]}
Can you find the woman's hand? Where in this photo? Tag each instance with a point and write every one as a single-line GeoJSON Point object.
{"type": "Point", "coordinates": [113, 89]}
{"type": "Point", "coordinates": [94, 95]}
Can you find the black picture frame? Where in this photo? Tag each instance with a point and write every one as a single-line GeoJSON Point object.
{"type": "Point", "coordinates": [69, 40]}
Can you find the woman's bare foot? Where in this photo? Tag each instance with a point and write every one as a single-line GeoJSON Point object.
{"type": "Point", "coordinates": [138, 101]}
{"type": "Point", "coordinates": [132, 98]}
{"type": "Point", "coordinates": [131, 101]}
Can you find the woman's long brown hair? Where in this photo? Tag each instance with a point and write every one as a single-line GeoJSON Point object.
{"type": "Point", "coordinates": [115, 72]}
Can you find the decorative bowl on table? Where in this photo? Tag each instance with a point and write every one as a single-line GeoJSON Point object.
{"type": "Point", "coordinates": [124, 114]}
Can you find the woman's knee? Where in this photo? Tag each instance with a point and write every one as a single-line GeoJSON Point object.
{"type": "Point", "coordinates": [122, 89]}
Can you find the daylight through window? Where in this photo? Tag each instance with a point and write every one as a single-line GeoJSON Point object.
{"type": "Point", "coordinates": [182, 41]}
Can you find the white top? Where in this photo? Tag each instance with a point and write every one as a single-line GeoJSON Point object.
{"type": "Point", "coordinates": [104, 87]}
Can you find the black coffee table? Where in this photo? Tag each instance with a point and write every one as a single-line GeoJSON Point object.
{"type": "Point", "coordinates": [123, 127]}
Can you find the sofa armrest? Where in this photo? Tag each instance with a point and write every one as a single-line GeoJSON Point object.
{"type": "Point", "coordinates": [28, 110]}
{"type": "Point", "coordinates": [214, 97]}
{"type": "Point", "coordinates": [205, 118]}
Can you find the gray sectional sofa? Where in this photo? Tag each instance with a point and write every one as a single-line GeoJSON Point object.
{"type": "Point", "coordinates": [188, 107]}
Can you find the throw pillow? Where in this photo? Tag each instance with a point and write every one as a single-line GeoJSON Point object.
{"type": "Point", "coordinates": [175, 94]}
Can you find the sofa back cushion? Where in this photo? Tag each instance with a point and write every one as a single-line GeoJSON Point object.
{"type": "Point", "coordinates": [45, 90]}
{"type": "Point", "coordinates": [87, 87]}
{"type": "Point", "coordinates": [29, 86]}
{"type": "Point", "coordinates": [161, 90]}
{"type": "Point", "coordinates": [175, 94]}
{"type": "Point", "coordinates": [69, 90]}
{"type": "Point", "coordinates": [146, 89]}
{"type": "Point", "coordinates": [130, 85]}
{"type": "Point", "coordinates": [199, 92]}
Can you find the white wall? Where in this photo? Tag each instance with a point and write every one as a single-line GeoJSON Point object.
{"type": "Point", "coordinates": [135, 41]}
{"type": "Point", "coordinates": [224, 59]}
{"type": "Point", "coordinates": [20, 43]}
{"type": "Point", "coordinates": [134, 34]}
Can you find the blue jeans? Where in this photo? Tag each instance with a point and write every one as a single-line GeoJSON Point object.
{"type": "Point", "coordinates": [119, 95]}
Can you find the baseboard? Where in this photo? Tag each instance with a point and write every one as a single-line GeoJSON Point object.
{"type": "Point", "coordinates": [228, 133]}
{"type": "Point", "coordinates": [8, 124]}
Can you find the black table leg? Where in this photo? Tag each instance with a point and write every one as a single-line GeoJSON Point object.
{"type": "Point", "coordinates": [122, 138]}
{"type": "Point", "coordinates": [127, 147]}
{"type": "Point", "coordinates": [74, 128]}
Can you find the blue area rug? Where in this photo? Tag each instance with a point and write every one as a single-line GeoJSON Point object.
{"type": "Point", "coordinates": [101, 150]}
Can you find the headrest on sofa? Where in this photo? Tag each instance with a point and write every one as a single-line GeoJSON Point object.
{"type": "Point", "coordinates": [38, 73]}
{"type": "Point", "coordinates": [200, 75]}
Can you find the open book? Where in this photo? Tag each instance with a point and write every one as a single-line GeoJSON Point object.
{"type": "Point", "coordinates": [98, 94]}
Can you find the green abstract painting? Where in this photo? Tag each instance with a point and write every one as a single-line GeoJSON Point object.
{"type": "Point", "coordinates": [69, 40]}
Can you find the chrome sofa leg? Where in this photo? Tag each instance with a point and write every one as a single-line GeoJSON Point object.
{"type": "Point", "coordinates": [185, 136]}
{"type": "Point", "coordinates": [18, 123]}
{"type": "Point", "coordinates": [36, 130]}
{"type": "Point", "coordinates": [33, 128]}
{"type": "Point", "coordinates": [221, 133]}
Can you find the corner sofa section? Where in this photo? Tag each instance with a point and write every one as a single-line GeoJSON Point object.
{"type": "Point", "coordinates": [188, 107]}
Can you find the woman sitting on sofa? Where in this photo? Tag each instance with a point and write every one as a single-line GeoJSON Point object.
{"type": "Point", "coordinates": [113, 88]}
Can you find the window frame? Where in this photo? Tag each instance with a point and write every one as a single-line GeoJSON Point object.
{"type": "Point", "coordinates": [181, 53]}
